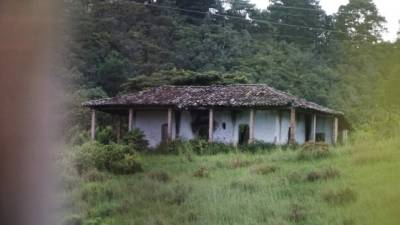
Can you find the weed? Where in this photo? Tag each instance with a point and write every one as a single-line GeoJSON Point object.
{"type": "Point", "coordinates": [326, 174]}
{"type": "Point", "coordinates": [160, 176]}
{"type": "Point", "coordinates": [181, 192]}
{"type": "Point", "coordinates": [294, 177]}
{"type": "Point", "coordinates": [73, 220]}
{"type": "Point", "coordinates": [340, 197]}
{"type": "Point", "coordinates": [94, 175]}
{"type": "Point", "coordinates": [297, 214]}
{"type": "Point", "coordinates": [311, 151]}
{"type": "Point", "coordinates": [202, 172]}
{"type": "Point", "coordinates": [246, 185]}
{"type": "Point", "coordinates": [239, 163]}
{"type": "Point", "coordinates": [264, 169]}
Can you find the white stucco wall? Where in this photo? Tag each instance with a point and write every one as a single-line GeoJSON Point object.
{"type": "Point", "coordinates": [325, 125]}
{"type": "Point", "coordinates": [185, 131]}
{"type": "Point", "coordinates": [150, 122]}
{"type": "Point", "coordinates": [220, 134]}
{"type": "Point", "coordinates": [268, 126]}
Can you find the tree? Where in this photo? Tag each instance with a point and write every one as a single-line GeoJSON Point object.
{"type": "Point", "coordinates": [300, 21]}
{"type": "Point", "coordinates": [359, 21]}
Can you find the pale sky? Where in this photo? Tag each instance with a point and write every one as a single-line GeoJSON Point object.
{"type": "Point", "coordinates": [387, 8]}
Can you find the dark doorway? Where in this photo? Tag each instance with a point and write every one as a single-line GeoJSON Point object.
{"type": "Point", "coordinates": [244, 134]}
{"type": "Point", "coordinates": [164, 132]}
{"type": "Point", "coordinates": [200, 124]}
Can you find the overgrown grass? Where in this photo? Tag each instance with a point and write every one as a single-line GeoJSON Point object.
{"type": "Point", "coordinates": [233, 188]}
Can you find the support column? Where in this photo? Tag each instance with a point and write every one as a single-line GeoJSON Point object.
{"type": "Point", "coordinates": [292, 126]}
{"type": "Point", "coordinates": [119, 129]}
{"type": "Point", "coordinates": [169, 122]}
{"type": "Point", "coordinates": [211, 126]}
{"type": "Point", "coordinates": [130, 120]}
{"type": "Point", "coordinates": [93, 125]}
{"type": "Point", "coordinates": [251, 127]}
{"type": "Point", "coordinates": [335, 130]}
{"type": "Point", "coordinates": [313, 138]}
{"type": "Point", "coordinates": [345, 134]}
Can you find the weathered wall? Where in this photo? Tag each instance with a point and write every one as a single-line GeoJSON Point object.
{"type": "Point", "coordinates": [221, 134]}
{"type": "Point", "coordinates": [150, 122]}
{"type": "Point", "coordinates": [325, 125]}
{"type": "Point", "coordinates": [268, 126]}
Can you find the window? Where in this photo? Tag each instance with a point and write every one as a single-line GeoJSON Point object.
{"type": "Point", "coordinates": [244, 134]}
{"type": "Point", "coordinates": [224, 126]}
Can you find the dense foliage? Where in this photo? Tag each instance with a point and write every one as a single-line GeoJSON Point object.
{"type": "Point", "coordinates": [125, 45]}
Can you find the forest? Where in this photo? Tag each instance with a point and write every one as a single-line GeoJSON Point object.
{"type": "Point", "coordinates": [114, 47]}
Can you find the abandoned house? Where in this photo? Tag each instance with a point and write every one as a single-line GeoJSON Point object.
{"type": "Point", "coordinates": [231, 114]}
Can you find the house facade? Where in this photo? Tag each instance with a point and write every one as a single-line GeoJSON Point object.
{"type": "Point", "coordinates": [231, 114]}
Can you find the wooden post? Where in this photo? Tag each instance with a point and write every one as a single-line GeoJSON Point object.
{"type": "Point", "coordinates": [335, 130]}
{"type": "Point", "coordinates": [251, 127]}
{"type": "Point", "coordinates": [313, 138]}
{"type": "Point", "coordinates": [93, 125]}
{"type": "Point", "coordinates": [345, 134]}
{"type": "Point", "coordinates": [211, 126]}
{"type": "Point", "coordinates": [292, 126]}
{"type": "Point", "coordinates": [130, 120]}
{"type": "Point", "coordinates": [169, 126]}
{"type": "Point", "coordinates": [119, 129]}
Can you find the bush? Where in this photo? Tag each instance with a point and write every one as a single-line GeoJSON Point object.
{"type": "Point", "coordinates": [105, 135]}
{"type": "Point", "coordinates": [173, 147]}
{"type": "Point", "coordinates": [257, 146]}
{"type": "Point", "coordinates": [197, 146]}
{"type": "Point", "coordinates": [128, 165]}
{"type": "Point", "coordinates": [314, 151]}
{"type": "Point", "coordinates": [136, 138]}
{"type": "Point", "coordinates": [119, 159]}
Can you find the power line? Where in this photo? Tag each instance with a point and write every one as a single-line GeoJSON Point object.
{"type": "Point", "coordinates": [268, 22]}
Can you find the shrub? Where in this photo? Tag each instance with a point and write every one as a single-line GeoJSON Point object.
{"type": "Point", "coordinates": [160, 176]}
{"type": "Point", "coordinates": [84, 156]}
{"type": "Point", "coordinates": [340, 197]}
{"type": "Point", "coordinates": [202, 172]}
{"type": "Point", "coordinates": [72, 220]}
{"type": "Point", "coordinates": [119, 159]}
{"type": "Point", "coordinates": [136, 138]}
{"type": "Point", "coordinates": [105, 135]}
{"type": "Point", "coordinates": [173, 147]}
{"type": "Point", "coordinates": [94, 175]}
{"type": "Point", "coordinates": [203, 147]}
{"type": "Point", "coordinates": [197, 146]}
{"type": "Point", "coordinates": [257, 146]}
{"type": "Point", "coordinates": [264, 169]}
{"type": "Point", "coordinates": [314, 151]}
{"type": "Point", "coordinates": [128, 165]}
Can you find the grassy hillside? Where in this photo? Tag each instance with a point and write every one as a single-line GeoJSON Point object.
{"type": "Point", "coordinates": [277, 187]}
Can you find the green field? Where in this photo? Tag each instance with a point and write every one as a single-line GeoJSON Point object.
{"type": "Point", "coordinates": [275, 187]}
